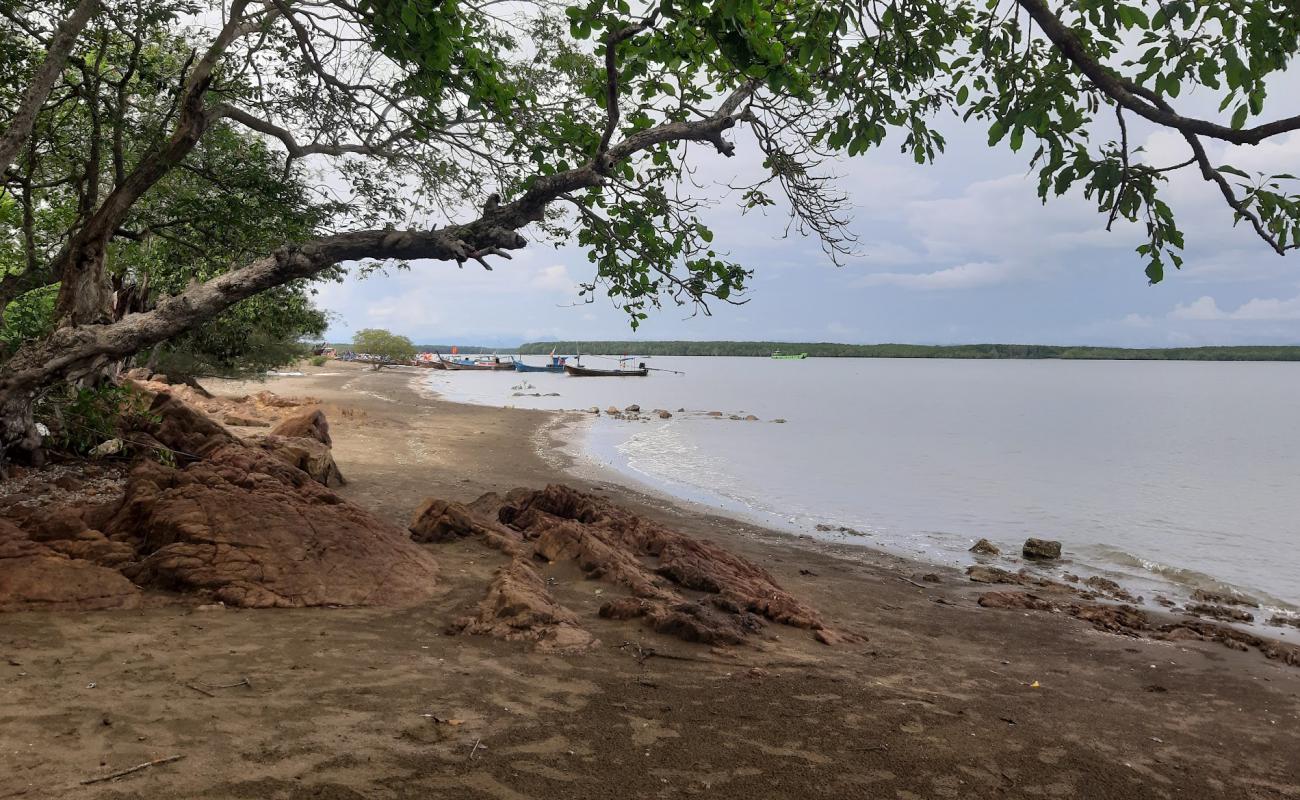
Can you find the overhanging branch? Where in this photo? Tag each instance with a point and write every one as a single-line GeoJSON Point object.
{"type": "Point", "coordinates": [1136, 98]}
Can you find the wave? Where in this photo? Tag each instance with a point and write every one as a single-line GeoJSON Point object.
{"type": "Point", "coordinates": [1190, 579]}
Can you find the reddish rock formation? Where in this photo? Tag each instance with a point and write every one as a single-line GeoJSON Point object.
{"type": "Point", "coordinates": [308, 455]}
{"type": "Point", "coordinates": [238, 522]}
{"type": "Point", "coordinates": [518, 607]}
{"type": "Point", "coordinates": [35, 576]}
{"type": "Point", "coordinates": [253, 531]}
{"type": "Point", "coordinates": [308, 424]}
{"type": "Point", "coordinates": [677, 585]}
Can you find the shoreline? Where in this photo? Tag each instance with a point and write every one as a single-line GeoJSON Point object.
{"type": "Point", "coordinates": [1142, 577]}
{"type": "Point", "coordinates": [936, 696]}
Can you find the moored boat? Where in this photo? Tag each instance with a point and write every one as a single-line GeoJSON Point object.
{"type": "Point", "coordinates": [556, 365]}
{"type": "Point", "coordinates": [586, 372]}
{"type": "Point", "coordinates": [494, 363]}
{"type": "Point", "coordinates": [522, 367]}
{"type": "Point", "coordinates": [779, 356]}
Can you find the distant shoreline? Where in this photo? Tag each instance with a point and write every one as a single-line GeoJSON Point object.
{"type": "Point", "coordinates": [1019, 352]}
{"type": "Point", "coordinates": [964, 351]}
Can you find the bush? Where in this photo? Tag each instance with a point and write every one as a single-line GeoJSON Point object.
{"type": "Point", "coordinates": [79, 420]}
{"type": "Point", "coordinates": [318, 361]}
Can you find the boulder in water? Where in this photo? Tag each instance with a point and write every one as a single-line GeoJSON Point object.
{"type": "Point", "coordinates": [985, 548]}
{"type": "Point", "coordinates": [1041, 549]}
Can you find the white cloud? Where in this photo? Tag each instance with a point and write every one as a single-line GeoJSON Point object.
{"type": "Point", "coordinates": [974, 275]}
{"type": "Point", "coordinates": [1271, 309]}
{"type": "Point", "coordinates": [1201, 309]}
{"type": "Point", "coordinates": [1259, 309]}
{"type": "Point", "coordinates": [555, 277]}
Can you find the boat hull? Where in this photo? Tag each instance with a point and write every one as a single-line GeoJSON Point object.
{"type": "Point", "coordinates": [795, 357]}
{"type": "Point", "coordinates": [522, 367]}
{"type": "Point", "coordinates": [584, 372]}
{"type": "Point", "coordinates": [452, 365]}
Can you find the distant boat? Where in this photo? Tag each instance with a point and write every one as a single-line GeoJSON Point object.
{"type": "Point", "coordinates": [586, 372]}
{"type": "Point", "coordinates": [788, 356]}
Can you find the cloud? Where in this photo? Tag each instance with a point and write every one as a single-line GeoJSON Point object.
{"type": "Point", "coordinates": [555, 278]}
{"type": "Point", "coordinates": [974, 275]}
{"type": "Point", "coordinates": [1201, 309]}
{"type": "Point", "coordinates": [1259, 309]}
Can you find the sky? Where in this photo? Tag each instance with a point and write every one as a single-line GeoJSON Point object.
{"type": "Point", "coordinates": [961, 251]}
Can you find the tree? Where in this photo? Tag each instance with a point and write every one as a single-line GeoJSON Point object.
{"type": "Point", "coordinates": [455, 125]}
{"type": "Point", "coordinates": [383, 346]}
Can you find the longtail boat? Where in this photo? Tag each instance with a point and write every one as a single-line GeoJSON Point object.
{"type": "Point", "coordinates": [556, 365]}
{"type": "Point", "coordinates": [586, 372]}
{"type": "Point", "coordinates": [466, 364]}
{"type": "Point", "coordinates": [779, 356]}
{"type": "Point", "coordinates": [522, 367]}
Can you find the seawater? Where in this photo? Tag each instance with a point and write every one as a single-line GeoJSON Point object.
{"type": "Point", "coordinates": [1163, 475]}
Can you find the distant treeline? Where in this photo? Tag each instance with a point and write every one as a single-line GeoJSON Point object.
{"type": "Point", "coordinates": [833, 350]}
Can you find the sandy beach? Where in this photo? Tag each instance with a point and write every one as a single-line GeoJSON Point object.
{"type": "Point", "coordinates": [933, 696]}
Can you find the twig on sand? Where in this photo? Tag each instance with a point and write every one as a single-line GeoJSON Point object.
{"type": "Point", "coordinates": [912, 582]}
{"type": "Point", "coordinates": [475, 748]}
{"type": "Point", "coordinates": [643, 654]}
{"type": "Point", "coordinates": [202, 690]}
{"type": "Point", "coordinates": [136, 768]}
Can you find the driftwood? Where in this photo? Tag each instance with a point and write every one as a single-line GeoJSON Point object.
{"type": "Point", "coordinates": [136, 768]}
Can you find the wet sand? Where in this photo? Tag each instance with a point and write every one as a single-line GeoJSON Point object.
{"type": "Point", "coordinates": [938, 701]}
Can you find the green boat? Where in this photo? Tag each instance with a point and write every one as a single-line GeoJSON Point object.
{"type": "Point", "coordinates": [788, 356]}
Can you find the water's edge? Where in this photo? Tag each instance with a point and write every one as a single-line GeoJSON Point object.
{"type": "Point", "coordinates": [571, 443]}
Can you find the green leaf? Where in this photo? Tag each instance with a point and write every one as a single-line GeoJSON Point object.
{"type": "Point", "coordinates": [1239, 116]}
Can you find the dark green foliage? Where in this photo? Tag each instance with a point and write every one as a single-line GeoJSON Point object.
{"type": "Point", "coordinates": [79, 419]}
{"type": "Point", "coordinates": [987, 351]}
{"type": "Point", "coordinates": [30, 316]}
{"type": "Point", "coordinates": [258, 334]}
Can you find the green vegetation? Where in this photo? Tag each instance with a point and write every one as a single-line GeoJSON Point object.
{"type": "Point", "coordinates": [833, 350]}
{"type": "Point", "coordinates": [384, 345]}
{"type": "Point", "coordinates": [79, 419]}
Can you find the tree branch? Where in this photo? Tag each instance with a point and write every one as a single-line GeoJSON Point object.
{"type": "Point", "coordinates": [1137, 98]}
{"type": "Point", "coordinates": [296, 150]}
{"type": "Point", "coordinates": [20, 127]}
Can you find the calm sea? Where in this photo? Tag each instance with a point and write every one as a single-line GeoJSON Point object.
{"type": "Point", "coordinates": [1163, 475]}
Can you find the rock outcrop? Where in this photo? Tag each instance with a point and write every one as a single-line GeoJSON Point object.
{"type": "Point", "coordinates": [674, 584]}
{"type": "Point", "coordinates": [985, 548]}
{"type": "Point", "coordinates": [518, 607]}
{"type": "Point", "coordinates": [308, 424]}
{"type": "Point", "coordinates": [1041, 549]}
{"type": "Point", "coordinates": [1126, 620]}
{"type": "Point", "coordinates": [35, 575]}
{"type": "Point", "coordinates": [249, 523]}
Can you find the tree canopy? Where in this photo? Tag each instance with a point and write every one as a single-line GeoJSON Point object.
{"type": "Point", "coordinates": [383, 345]}
{"type": "Point", "coordinates": [453, 130]}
